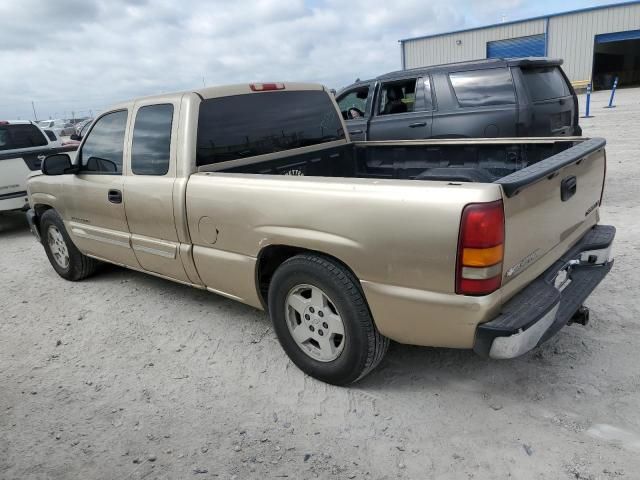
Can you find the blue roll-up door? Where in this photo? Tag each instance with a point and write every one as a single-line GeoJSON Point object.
{"type": "Point", "coordinates": [532, 46]}
{"type": "Point", "coordinates": [618, 36]}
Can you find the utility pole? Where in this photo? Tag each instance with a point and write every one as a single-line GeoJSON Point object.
{"type": "Point", "coordinates": [35, 116]}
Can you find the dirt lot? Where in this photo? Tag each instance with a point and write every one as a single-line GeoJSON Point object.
{"type": "Point", "coordinates": [129, 376]}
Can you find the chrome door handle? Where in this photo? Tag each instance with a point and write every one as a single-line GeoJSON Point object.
{"type": "Point", "coordinates": [353, 132]}
{"type": "Point", "coordinates": [418, 124]}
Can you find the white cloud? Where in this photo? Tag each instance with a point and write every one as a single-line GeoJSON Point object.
{"type": "Point", "coordinates": [82, 54]}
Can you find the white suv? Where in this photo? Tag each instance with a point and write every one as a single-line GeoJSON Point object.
{"type": "Point", "coordinates": [23, 146]}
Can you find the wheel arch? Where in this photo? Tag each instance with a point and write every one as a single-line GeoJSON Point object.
{"type": "Point", "coordinates": [272, 256]}
{"type": "Point", "coordinates": [39, 209]}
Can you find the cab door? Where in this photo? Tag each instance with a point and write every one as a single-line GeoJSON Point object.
{"type": "Point", "coordinates": [150, 186]}
{"type": "Point", "coordinates": [94, 208]}
{"type": "Point", "coordinates": [400, 111]}
{"type": "Point", "coordinates": [355, 107]}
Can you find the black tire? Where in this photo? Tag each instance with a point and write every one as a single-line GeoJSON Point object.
{"type": "Point", "coordinates": [364, 346]}
{"type": "Point", "coordinates": [80, 266]}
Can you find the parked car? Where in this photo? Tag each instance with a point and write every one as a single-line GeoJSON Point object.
{"type": "Point", "coordinates": [79, 133]}
{"type": "Point", "coordinates": [23, 147]}
{"type": "Point", "coordinates": [62, 128]}
{"type": "Point", "coordinates": [80, 126]}
{"type": "Point", "coordinates": [483, 98]}
{"type": "Point", "coordinates": [54, 140]}
{"type": "Point", "coordinates": [484, 244]}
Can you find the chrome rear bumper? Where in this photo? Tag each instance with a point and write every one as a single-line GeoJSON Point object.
{"type": "Point", "coordinates": [548, 303]}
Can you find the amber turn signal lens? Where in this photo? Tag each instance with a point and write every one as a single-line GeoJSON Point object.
{"type": "Point", "coordinates": [482, 257]}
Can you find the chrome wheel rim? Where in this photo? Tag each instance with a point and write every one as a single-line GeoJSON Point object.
{"type": "Point", "coordinates": [58, 246]}
{"type": "Point", "coordinates": [314, 323]}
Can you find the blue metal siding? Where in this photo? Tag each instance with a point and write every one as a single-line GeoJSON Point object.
{"type": "Point", "coordinates": [616, 37]}
{"type": "Point", "coordinates": [533, 46]}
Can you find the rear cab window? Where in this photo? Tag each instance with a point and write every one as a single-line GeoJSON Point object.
{"type": "Point", "coordinates": [241, 126]}
{"type": "Point", "coordinates": [482, 88]}
{"type": "Point", "coordinates": [545, 83]}
{"type": "Point", "coordinates": [23, 135]}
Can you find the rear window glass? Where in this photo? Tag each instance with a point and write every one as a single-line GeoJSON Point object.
{"type": "Point", "coordinates": [479, 88]}
{"type": "Point", "coordinates": [21, 136]}
{"type": "Point", "coordinates": [243, 126]}
{"type": "Point", "coordinates": [545, 83]}
{"type": "Point", "coordinates": [51, 135]}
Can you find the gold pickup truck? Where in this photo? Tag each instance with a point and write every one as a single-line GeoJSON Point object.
{"type": "Point", "coordinates": [255, 192]}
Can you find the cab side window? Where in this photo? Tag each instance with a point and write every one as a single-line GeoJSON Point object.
{"type": "Point", "coordinates": [397, 97]}
{"type": "Point", "coordinates": [102, 151]}
{"type": "Point", "coordinates": [151, 146]}
{"type": "Point", "coordinates": [353, 104]}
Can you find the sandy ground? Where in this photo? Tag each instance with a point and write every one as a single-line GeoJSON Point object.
{"type": "Point", "coordinates": [127, 376]}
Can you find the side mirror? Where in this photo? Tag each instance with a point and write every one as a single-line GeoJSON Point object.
{"type": "Point", "coordinates": [57, 164]}
{"type": "Point", "coordinates": [75, 136]}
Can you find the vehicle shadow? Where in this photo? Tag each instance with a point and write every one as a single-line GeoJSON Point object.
{"type": "Point", "coordinates": [12, 222]}
{"type": "Point", "coordinates": [405, 367]}
{"type": "Point", "coordinates": [414, 368]}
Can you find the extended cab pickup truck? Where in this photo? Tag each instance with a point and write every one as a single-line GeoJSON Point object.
{"type": "Point", "coordinates": [255, 192]}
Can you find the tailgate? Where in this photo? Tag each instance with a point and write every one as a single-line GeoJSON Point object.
{"type": "Point", "coordinates": [548, 207]}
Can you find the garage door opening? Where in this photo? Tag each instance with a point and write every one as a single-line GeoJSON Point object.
{"type": "Point", "coordinates": [616, 55]}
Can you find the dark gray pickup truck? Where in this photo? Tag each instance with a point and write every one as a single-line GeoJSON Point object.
{"type": "Point", "coordinates": [526, 97]}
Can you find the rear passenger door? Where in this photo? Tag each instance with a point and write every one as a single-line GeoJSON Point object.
{"type": "Point", "coordinates": [400, 111]}
{"type": "Point", "coordinates": [149, 188]}
{"type": "Point", "coordinates": [475, 104]}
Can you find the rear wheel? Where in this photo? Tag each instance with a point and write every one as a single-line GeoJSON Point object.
{"type": "Point", "coordinates": [65, 258]}
{"type": "Point", "coordinates": [322, 320]}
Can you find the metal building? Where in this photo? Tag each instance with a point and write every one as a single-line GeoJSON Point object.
{"type": "Point", "coordinates": [596, 43]}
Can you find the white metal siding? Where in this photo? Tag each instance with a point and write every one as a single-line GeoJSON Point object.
{"type": "Point", "coordinates": [571, 38]}
{"type": "Point", "coordinates": [443, 48]}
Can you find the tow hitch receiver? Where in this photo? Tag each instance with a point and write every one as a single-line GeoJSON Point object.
{"type": "Point", "coordinates": [581, 316]}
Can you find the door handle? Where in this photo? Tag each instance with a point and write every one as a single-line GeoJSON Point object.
{"type": "Point", "coordinates": [354, 132]}
{"type": "Point", "coordinates": [115, 196]}
{"type": "Point", "coordinates": [418, 124]}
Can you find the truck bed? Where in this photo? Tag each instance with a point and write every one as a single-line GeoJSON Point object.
{"type": "Point", "coordinates": [473, 160]}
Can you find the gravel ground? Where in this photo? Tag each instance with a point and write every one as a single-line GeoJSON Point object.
{"type": "Point", "coordinates": [128, 376]}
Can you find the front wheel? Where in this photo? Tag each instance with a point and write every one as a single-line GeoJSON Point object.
{"type": "Point", "coordinates": [322, 320]}
{"type": "Point", "coordinates": [65, 258]}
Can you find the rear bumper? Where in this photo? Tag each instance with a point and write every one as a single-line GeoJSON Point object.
{"type": "Point", "coordinates": [547, 304]}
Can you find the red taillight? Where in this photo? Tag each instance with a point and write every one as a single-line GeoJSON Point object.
{"type": "Point", "coordinates": [480, 249]}
{"type": "Point", "coordinates": [263, 87]}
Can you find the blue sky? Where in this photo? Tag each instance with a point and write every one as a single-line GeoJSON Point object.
{"type": "Point", "coordinates": [83, 55]}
